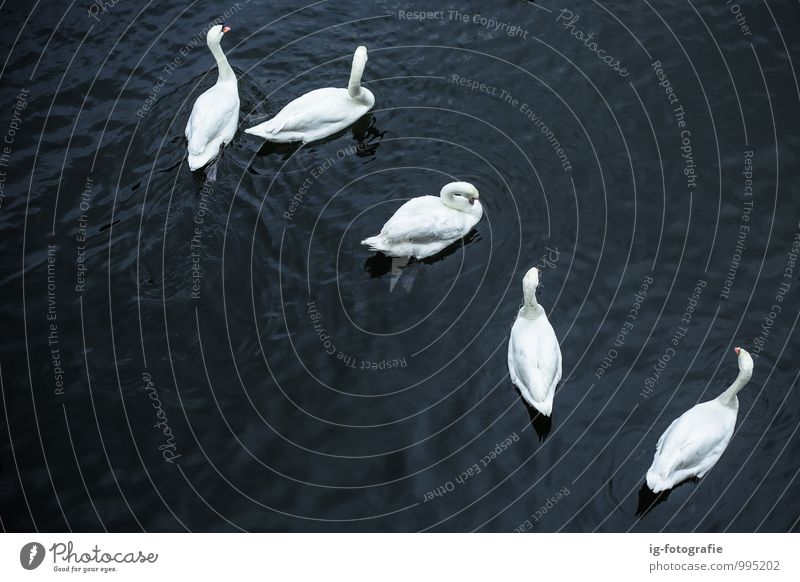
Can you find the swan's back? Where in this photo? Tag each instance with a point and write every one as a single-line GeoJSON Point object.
{"type": "Point", "coordinates": [534, 361]}
{"type": "Point", "coordinates": [691, 445]}
{"type": "Point", "coordinates": [213, 120]}
{"type": "Point", "coordinates": [312, 116]}
{"type": "Point", "coordinates": [426, 219]}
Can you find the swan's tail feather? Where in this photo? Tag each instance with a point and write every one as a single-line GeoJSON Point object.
{"type": "Point", "coordinates": [375, 243]}
{"type": "Point", "coordinates": [267, 129]}
{"type": "Point", "coordinates": [195, 162]}
{"type": "Point", "coordinates": [657, 483]}
{"type": "Point", "coordinates": [196, 146]}
{"type": "Point", "coordinates": [545, 407]}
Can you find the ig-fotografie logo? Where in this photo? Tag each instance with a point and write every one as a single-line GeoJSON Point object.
{"type": "Point", "coordinates": [31, 555]}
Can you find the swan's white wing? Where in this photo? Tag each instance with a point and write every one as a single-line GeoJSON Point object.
{"type": "Point", "coordinates": [210, 115]}
{"type": "Point", "coordinates": [535, 358]}
{"type": "Point", "coordinates": [532, 379]}
{"type": "Point", "coordinates": [424, 219]}
{"type": "Point", "coordinates": [546, 355]}
{"type": "Point", "coordinates": [694, 441]}
{"type": "Point", "coordinates": [310, 111]}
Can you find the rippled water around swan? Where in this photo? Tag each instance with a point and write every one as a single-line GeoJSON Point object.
{"type": "Point", "coordinates": [179, 355]}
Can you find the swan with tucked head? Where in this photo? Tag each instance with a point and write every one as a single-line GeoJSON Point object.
{"type": "Point", "coordinates": [321, 112]}
{"type": "Point", "coordinates": [426, 225]}
{"type": "Point", "coordinates": [695, 441]}
{"type": "Point", "coordinates": [215, 115]}
{"type": "Point", "coordinates": [534, 356]}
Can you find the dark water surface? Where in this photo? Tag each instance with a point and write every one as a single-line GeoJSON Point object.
{"type": "Point", "coordinates": [189, 356]}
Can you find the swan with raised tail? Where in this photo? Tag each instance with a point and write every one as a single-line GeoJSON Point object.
{"type": "Point", "coordinates": [215, 115]}
{"type": "Point", "coordinates": [695, 441]}
{"type": "Point", "coordinates": [425, 225]}
{"type": "Point", "coordinates": [321, 112]}
{"type": "Point", "coordinates": [534, 356]}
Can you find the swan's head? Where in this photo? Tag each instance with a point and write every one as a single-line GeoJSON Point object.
{"type": "Point", "coordinates": [214, 36]}
{"type": "Point", "coordinates": [465, 190]}
{"type": "Point", "coordinates": [530, 282]}
{"type": "Point", "coordinates": [745, 361]}
{"type": "Point", "coordinates": [360, 56]}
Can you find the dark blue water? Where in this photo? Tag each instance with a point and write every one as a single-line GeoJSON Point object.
{"type": "Point", "coordinates": [181, 355]}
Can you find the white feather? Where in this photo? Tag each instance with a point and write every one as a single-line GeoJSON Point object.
{"type": "Point", "coordinates": [426, 225]}
{"type": "Point", "coordinates": [321, 112]}
{"type": "Point", "coordinates": [695, 441]}
{"type": "Point", "coordinates": [534, 356]}
{"type": "Point", "coordinates": [215, 114]}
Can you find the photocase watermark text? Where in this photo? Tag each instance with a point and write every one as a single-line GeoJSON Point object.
{"type": "Point", "coordinates": [784, 286]}
{"type": "Point", "coordinates": [6, 147]}
{"type": "Point", "coordinates": [168, 448]}
{"type": "Point", "coordinates": [744, 226]}
{"type": "Point", "coordinates": [679, 115]}
{"type": "Point", "coordinates": [101, 8]}
{"type": "Point", "coordinates": [52, 323]}
{"type": "Point", "coordinates": [627, 326]}
{"type": "Point", "coordinates": [489, 23]}
{"type": "Point", "coordinates": [80, 238]}
{"type": "Point", "coordinates": [677, 336]}
{"type": "Point", "coordinates": [526, 110]}
{"type": "Point", "coordinates": [568, 20]}
{"type": "Point", "coordinates": [471, 471]}
{"type": "Point", "coordinates": [316, 173]}
{"type": "Point", "coordinates": [348, 360]}
{"type": "Point", "coordinates": [551, 502]}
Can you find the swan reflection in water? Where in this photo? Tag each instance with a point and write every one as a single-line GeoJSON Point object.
{"type": "Point", "coordinates": [648, 500]}
{"type": "Point", "coordinates": [540, 423]}
{"type": "Point", "coordinates": [406, 268]}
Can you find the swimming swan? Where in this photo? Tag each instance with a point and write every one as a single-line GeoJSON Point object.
{"type": "Point", "coordinates": [695, 441]}
{"type": "Point", "coordinates": [425, 225]}
{"type": "Point", "coordinates": [322, 112]}
{"type": "Point", "coordinates": [534, 356]}
{"type": "Point", "coordinates": [215, 114]}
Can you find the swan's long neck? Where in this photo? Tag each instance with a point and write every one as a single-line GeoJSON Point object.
{"type": "Point", "coordinates": [354, 85]}
{"type": "Point", "coordinates": [448, 198]}
{"type": "Point", "coordinates": [451, 200]}
{"type": "Point", "coordinates": [531, 309]}
{"type": "Point", "coordinates": [225, 71]}
{"type": "Point", "coordinates": [729, 396]}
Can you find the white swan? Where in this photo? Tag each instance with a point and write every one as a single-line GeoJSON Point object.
{"type": "Point", "coordinates": [425, 225]}
{"type": "Point", "coordinates": [215, 114]}
{"type": "Point", "coordinates": [695, 441]}
{"type": "Point", "coordinates": [322, 112]}
{"type": "Point", "coordinates": [534, 356]}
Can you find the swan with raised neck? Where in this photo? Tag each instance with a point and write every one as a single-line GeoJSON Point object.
{"type": "Point", "coordinates": [322, 112]}
{"type": "Point", "coordinates": [213, 40]}
{"type": "Point", "coordinates": [215, 114]}
{"type": "Point", "coordinates": [745, 361]}
{"type": "Point", "coordinates": [354, 88]}
{"type": "Point", "coordinates": [530, 283]}
{"type": "Point", "coordinates": [534, 355]}
{"type": "Point", "coordinates": [697, 439]}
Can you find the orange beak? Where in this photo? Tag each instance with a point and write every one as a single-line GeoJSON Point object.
{"type": "Point", "coordinates": [226, 29]}
{"type": "Point", "coordinates": [737, 350]}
